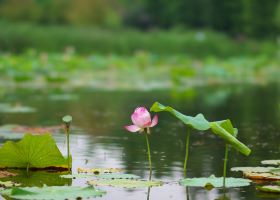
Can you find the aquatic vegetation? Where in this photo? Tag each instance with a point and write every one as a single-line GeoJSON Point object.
{"type": "Point", "coordinates": [126, 183]}
{"type": "Point", "coordinates": [223, 129]}
{"type": "Point", "coordinates": [271, 162]}
{"type": "Point", "coordinates": [142, 122]}
{"type": "Point", "coordinates": [269, 188]}
{"type": "Point", "coordinates": [4, 173]}
{"type": "Point", "coordinates": [99, 170]}
{"type": "Point", "coordinates": [17, 108]}
{"type": "Point", "coordinates": [33, 151]}
{"type": "Point", "coordinates": [214, 182]}
{"type": "Point", "coordinates": [52, 192]}
{"type": "Point", "coordinates": [8, 184]}
{"type": "Point", "coordinates": [67, 121]}
{"type": "Point", "coordinates": [102, 176]}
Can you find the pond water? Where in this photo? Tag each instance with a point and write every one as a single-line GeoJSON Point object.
{"type": "Point", "coordinates": [99, 139]}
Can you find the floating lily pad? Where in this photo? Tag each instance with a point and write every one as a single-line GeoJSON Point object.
{"type": "Point", "coordinates": [271, 162]}
{"type": "Point", "coordinates": [6, 174]}
{"type": "Point", "coordinates": [33, 151]}
{"type": "Point", "coordinates": [214, 182]}
{"type": "Point", "coordinates": [275, 171]}
{"type": "Point", "coordinates": [8, 184]}
{"type": "Point", "coordinates": [99, 170]}
{"type": "Point", "coordinates": [262, 176]}
{"type": "Point", "coordinates": [125, 183]}
{"type": "Point", "coordinates": [8, 108]}
{"type": "Point", "coordinates": [253, 169]}
{"type": "Point", "coordinates": [53, 193]}
{"type": "Point", "coordinates": [102, 176]}
{"type": "Point", "coordinates": [269, 188]}
{"type": "Point", "coordinates": [63, 97]}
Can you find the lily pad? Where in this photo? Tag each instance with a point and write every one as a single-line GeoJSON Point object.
{"type": "Point", "coordinates": [102, 176]}
{"type": "Point", "coordinates": [271, 162]}
{"type": "Point", "coordinates": [99, 170]}
{"type": "Point", "coordinates": [53, 193]}
{"type": "Point", "coordinates": [8, 184]}
{"type": "Point", "coordinates": [125, 183]}
{"type": "Point", "coordinates": [63, 97]}
{"type": "Point", "coordinates": [253, 169]}
{"type": "Point", "coordinates": [262, 176]}
{"type": "Point", "coordinates": [8, 108]}
{"type": "Point", "coordinates": [33, 151]}
{"type": "Point", "coordinates": [214, 182]}
{"type": "Point", "coordinates": [269, 188]}
{"type": "Point", "coordinates": [6, 174]}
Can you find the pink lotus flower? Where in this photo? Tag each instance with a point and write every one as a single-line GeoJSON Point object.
{"type": "Point", "coordinates": [141, 119]}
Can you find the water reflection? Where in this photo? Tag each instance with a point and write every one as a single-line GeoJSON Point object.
{"type": "Point", "coordinates": [100, 140]}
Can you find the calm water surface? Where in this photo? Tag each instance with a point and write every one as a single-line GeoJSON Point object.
{"type": "Point", "coordinates": [99, 139]}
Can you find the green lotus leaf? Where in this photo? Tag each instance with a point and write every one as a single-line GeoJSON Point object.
{"type": "Point", "coordinates": [33, 151]}
{"type": "Point", "coordinates": [102, 176]}
{"type": "Point", "coordinates": [125, 183]}
{"type": "Point", "coordinates": [253, 169]}
{"type": "Point", "coordinates": [198, 122]}
{"type": "Point", "coordinates": [52, 193]}
{"type": "Point", "coordinates": [275, 171]}
{"type": "Point", "coordinates": [223, 129]}
{"type": "Point", "coordinates": [214, 182]}
{"type": "Point", "coordinates": [271, 162]}
{"type": "Point", "coordinates": [269, 188]}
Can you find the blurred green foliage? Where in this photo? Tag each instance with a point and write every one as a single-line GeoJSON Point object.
{"type": "Point", "coordinates": [258, 18]}
{"type": "Point", "coordinates": [140, 70]}
{"type": "Point", "coordinates": [17, 37]}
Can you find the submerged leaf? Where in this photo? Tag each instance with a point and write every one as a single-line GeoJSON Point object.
{"type": "Point", "coordinates": [99, 170]}
{"type": "Point", "coordinates": [33, 151]}
{"type": "Point", "coordinates": [53, 193]}
{"type": "Point", "coordinates": [102, 176]}
{"type": "Point", "coordinates": [271, 162]}
{"type": "Point", "coordinates": [214, 182]}
{"type": "Point", "coordinates": [125, 183]}
{"type": "Point", "coordinates": [269, 188]}
{"type": "Point", "coordinates": [198, 122]}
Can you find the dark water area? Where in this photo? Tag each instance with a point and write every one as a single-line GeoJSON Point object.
{"type": "Point", "coordinates": [99, 139]}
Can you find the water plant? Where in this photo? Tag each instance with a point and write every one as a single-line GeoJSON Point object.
{"type": "Point", "coordinates": [223, 129]}
{"type": "Point", "coordinates": [142, 122]}
{"type": "Point", "coordinates": [67, 119]}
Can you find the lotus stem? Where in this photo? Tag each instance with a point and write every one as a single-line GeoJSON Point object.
{"type": "Point", "coordinates": [149, 155]}
{"type": "Point", "coordinates": [27, 167]}
{"type": "Point", "coordinates": [187, 152]}
{"type": "Point", "coordinates": [225, 166]}
{"type": "Point", "coordinates": [68, 146]}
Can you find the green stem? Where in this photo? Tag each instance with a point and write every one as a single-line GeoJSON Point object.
{"type": "Point", "coordinates": [225, 166]}
{"type": "Point", "coordinates": [68, 148]}
{"type": "Point", "coordinates": [187, 152]}
{"type": "Point", "coordinates": [27, 168]}
{"type": "Point", "coordinates": [149, 155]}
